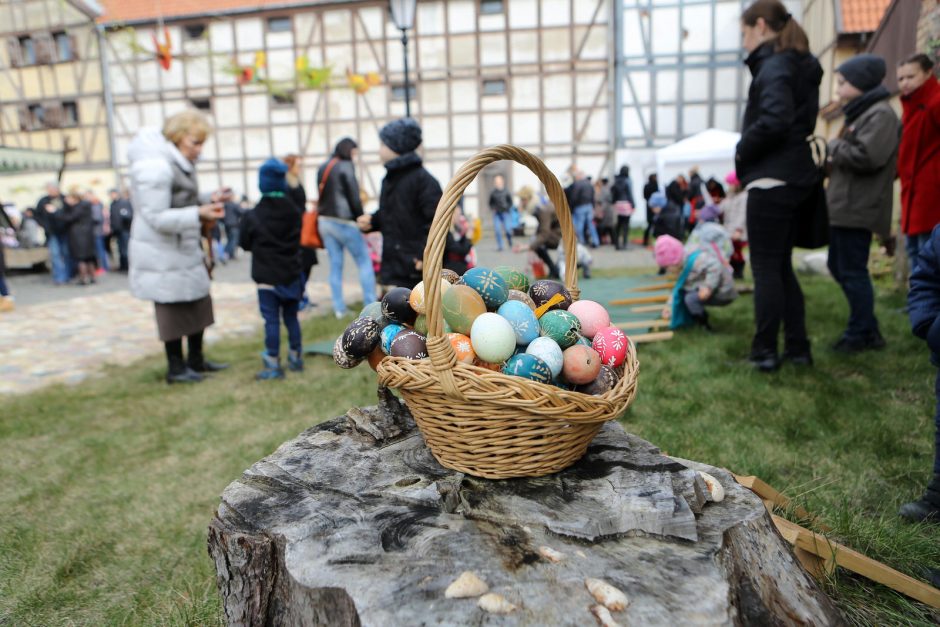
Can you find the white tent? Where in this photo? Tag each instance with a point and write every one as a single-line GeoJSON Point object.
{"type": "Point", "coordinates": [711, 150]}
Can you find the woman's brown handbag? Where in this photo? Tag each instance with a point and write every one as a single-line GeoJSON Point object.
{"type": "Point", "coordinates": [310, 229]}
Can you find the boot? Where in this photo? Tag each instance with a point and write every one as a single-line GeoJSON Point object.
{"type": "Point", "coordinates": [272, 368]}
{"type": "Point", "coordinates": [927, 509]}
{"type": "Point", "coordinates": [179, 372]}
{"type": "Point", "coordinates": [765, 361]}
{"type": "Point", "coordinates": [6, 304]}
{"type": "Point", "coordinates": [295, 361]}
{"type": "Point", "coordinates": [200, 364]}
{"type": "Point", "coordinates": [702, 321]}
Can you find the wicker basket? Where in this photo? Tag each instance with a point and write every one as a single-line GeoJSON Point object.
{"type": "Point", "coordinates": [486, 423]}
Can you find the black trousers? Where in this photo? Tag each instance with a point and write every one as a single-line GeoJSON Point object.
{"type": "Point", "coordinates": [848, 263]}
{"type": "Point", "coordinates": [771, 229]}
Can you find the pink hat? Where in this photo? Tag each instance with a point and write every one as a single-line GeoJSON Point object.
{"type": "Point", "coordinates": [668, 251]}
{"type": "Point", "coordinates": [732, 178]}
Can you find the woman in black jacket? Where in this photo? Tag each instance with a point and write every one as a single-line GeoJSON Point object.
{"type": "Point", "coordinates": [81, 230]}
{"type": "Point", "coordinates": [340, 206]}
{"type": "Point", "coordinates": [776, 166]}
{"type": "Point", "coordinates": [622, 196]}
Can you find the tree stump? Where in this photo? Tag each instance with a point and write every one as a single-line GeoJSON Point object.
{"type": "Point", "coordinates": [355, 523]}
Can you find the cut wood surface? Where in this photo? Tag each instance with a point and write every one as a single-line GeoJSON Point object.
{"type": "Point", "coordinates": [653, 323]}
{"type": "Point", "coordinates": [646, 309]}
{"type": "Point", "coordinates": [640, 300]}
{"type": "Point", "coordinates": [655, 287]}
{"type": "Point", "coordinates": [354, 523]}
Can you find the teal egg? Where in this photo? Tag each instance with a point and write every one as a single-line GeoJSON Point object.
{"type": "Point", "coordinates": [489, 285]}
{"type": "Point", "coordinates": [515, 280]}
{"type": "Point", "coordinates": [388, 334]}
{"type": "Point", "coordinates": [583, 340]}
{"type": "Point", "coordinates": [528, 367]}
{"type": "Point", "coordinates": [561, 326]}
{"type": "Point", "coordinates": [524, 323]}
{"type": "Point", "coordinates": [374, 311]}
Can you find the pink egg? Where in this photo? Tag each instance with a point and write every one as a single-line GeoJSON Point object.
{"type": "Point", "coordinates": [582, 363]}
{"type": "Point", "coordinates": [611, 344]}
{"type": "Point", "coordinates": [592, 315]}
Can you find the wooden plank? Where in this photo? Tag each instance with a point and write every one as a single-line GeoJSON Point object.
{"type": "Point", "coordinates": [646, 309]}
{"type": "Point", "coordinates": [856, 562]}
{"type": "Point", "coordinates": [640, 300]}
{"type": "Point", "coordinates": [653, 287]}
{"type": "Point", "coordinates": [647, 338]}
{"type": "Point", "coordinates": [642, 324]}
{"type": "Point", "coordinates": [768, 493]}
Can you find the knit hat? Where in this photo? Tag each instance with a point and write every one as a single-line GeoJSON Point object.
{"type": "Point", "coordinates": [658, 199]}
{"type": "Point", "coordinates": [709, 213]}
{"type": "Point", "coordinates": [864, 71]}
{"type": "Point", "coordinates": [402, 135]}
{"type": "Point", "coordinates": [731, 178]}
{"type": "Point", "coordinates": [668, 251]}
{"type": "Point", "coordinates": [272, 176]}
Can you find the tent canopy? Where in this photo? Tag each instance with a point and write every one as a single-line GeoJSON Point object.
{"type": "Point", "coordinates": [711, 150]}
{"type": "Point", "coordinates": [14, 160]}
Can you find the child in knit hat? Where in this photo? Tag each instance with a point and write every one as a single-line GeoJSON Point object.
{"type": "Point", "coordinates": [271, 232]}
{"type": "Point", "coordinates": [704, 280]}
{"type": "Point", "coordinates": [667, 216]}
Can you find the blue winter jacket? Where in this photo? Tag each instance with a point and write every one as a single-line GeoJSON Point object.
{"type": "Point", "coordinates": [923, 301]}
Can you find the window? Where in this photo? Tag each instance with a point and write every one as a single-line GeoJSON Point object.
{"type": "Point", "coordinates": [279, 25]}
{"type": "Point", "coordinates": [398, 92]}
{"type": "Point", "coordinates": [491, 7]}
{"type": "Point", "coordinates": [27, 51]}
{"type": "Point", "coordinates": [194, 31]}
{"type": "Point", "coordinates": [69, 114]}
{"type": "Point", "coordinates": [283, 99]}
{"type": "Point", "coordinates": [203, 104]}
{"type": "Point", "coordinates": [37, 117]}
{"type": "Point", "coordinates": [63, 46]}
{"type": "Point", "coordinates": [494, 87]}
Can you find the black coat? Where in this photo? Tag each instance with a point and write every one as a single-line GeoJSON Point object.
{"type": "Point", "coordinates": [500, 201]}
{"type": "Point", "coordinates": [621, 190]}
{"type": "Point", "coordinates": [81, 229]}
{"type": "Point", "coordinates": [271, 231]}
{"type": "Point", "coordinates": [51, 225]}
{"type": "Point", "coordinates": [923, 299]}
{"type": "Point", "coordinates": [340, 197]}
{"type": "Point", "coordinates": [782, 104]}
{"type": "Point", "coordinates": [407, 204]}
{"type": "Point", "coordinates": [649, 189]}
{"type": "Point", "coordinates": [121, 215]}
{"type": "Point", "coordinates": [580, 193]}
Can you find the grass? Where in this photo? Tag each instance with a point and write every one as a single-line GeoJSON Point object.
{"type": "Point", "coordinates": [108, 487]}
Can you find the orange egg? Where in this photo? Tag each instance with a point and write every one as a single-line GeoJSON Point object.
{"type": "Point", "coordinates": [462, 347]}
{"type": "Point", "coordinates": [375, 357]}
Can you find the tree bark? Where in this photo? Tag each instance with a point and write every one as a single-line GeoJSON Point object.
{"type": "Point", "coordinates": [355, 523]}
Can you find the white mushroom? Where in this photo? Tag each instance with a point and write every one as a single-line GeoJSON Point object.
{"type": "Point", "coordinates": [551, 554]}
{"type": "Point", "coordinates": [607, 595]}
{"type": "Point", "coordinates": [602, 614]}
{"type": "Point", "coordinates": [495, 604]}
{"type": "Point", "coordinates": [714, 488]}
{"type": "Point", "coordinates": [465, 586]}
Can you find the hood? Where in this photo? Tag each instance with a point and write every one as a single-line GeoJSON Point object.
{"type": "Point", "coordinates": [149, 143]}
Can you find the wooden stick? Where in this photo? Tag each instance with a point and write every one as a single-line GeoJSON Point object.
{"type": "Point", "coordinates": [646, 309]}
{"type": "Point", "coordinates": [647, 338]}
{"type": "Point", "coordinates": [640, 300]}
{"type": "Point", "coordinates": [655, 287]}
{"type": "Point", "coordinates": [834, 553]}
{"type": "Point", "coordinates": [642, 324]}
{"type": "Point", "coordinates": [771, 497]}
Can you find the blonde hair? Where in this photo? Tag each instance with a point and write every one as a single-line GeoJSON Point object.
{"type": "Point", "coordinates": [189, 122]}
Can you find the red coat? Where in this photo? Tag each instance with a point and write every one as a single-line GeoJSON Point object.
{"type": "Point", "coordinates": [919, 159]}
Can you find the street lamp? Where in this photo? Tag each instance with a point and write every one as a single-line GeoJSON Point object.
{"type": "Point", "coordinates": [403, 14]}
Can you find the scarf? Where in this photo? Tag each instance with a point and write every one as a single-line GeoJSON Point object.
{"type": "Point", "coordinates": [860, 105]}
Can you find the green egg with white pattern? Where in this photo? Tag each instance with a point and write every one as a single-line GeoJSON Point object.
{"type": "Point", "coordinates": [561, 326]}
{"type": "Point", "coordinates": [515, 280]}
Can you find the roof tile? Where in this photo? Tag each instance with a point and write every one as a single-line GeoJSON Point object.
{"type": "Point", "coordinates": [862, 16]}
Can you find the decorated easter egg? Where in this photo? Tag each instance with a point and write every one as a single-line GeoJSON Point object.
{"type": "Point", "coordinates": [548, 350]}
{"type": "Point", "coordinates": [492, 338]}
{"type": "Point", "coordinates": [582, 364]}
{"type": "Point", "coordinates": [361, 337]}
{"type": "Point", "coordinates": [583, 340]}
{"type": "Point", "coordinates": [417, 297]}
{"type": "Point", "coordinates": [611, 344]}
{"type": "Point", "coordinates": [409, 344]}
{"type": "Point", "coordinates": [488, 284]}
{"type": "Point", "coordinates": [528, 367]}
{"type": "Point", "coordinates": [396, 308]}
{"type": "Point", "coordinates": [421, 325]}
{"type": "Point", "coordinates": [543, 290]}
{"type": "Point", "coordinates": [341, 358]}
{"type": "Point", "coordinates": [388, 334]}
{"type": "Point", "coordinates": [489, 366]}
{"type": "Point", "coordinates": [592, 316]}
{"type": "Point", "coordinates": [522, 297]}
{"type": "Point", "coordinates": [462, 347]}
{"type": "Point", "coordinates": [374, 310]}
{"type": "Point", "coordinates": [375, 357]}
{"type": "Point", "coordinates": [561, 326]}
{"type": "Point", "coordinates": [515, 280]}
{"type": "Point", "coordinates": [523, 321]}
{"type": "Point", "coordinates": [461, 305]}
{"type": "Point", "coordinates": [450, 276]}
{"type": "Point", "coordinates": [604, 382]}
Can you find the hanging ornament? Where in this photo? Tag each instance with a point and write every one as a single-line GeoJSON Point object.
{"type": "Point", "coordinates": [164, 50]}
{"type": "Point", "coordinates": [261, 60]}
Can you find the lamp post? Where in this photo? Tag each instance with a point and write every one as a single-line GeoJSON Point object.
{"type": "Point", "coordinates": [403, 14]}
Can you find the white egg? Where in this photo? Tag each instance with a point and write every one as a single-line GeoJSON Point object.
{"type": "Point", "coordinates": [548, 350]}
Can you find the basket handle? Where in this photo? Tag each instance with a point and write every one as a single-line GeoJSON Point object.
{"type": "Point", "coordinates": [439, 348]}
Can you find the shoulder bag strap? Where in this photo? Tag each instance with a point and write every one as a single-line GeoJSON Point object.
{"type": "Point", "coordinates": [326, 175]}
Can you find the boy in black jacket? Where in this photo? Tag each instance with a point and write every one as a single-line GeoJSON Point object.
{"type": "Point", "coordinates": [271, 232]}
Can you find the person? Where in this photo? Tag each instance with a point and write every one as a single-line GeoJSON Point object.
{"type": "Point", "coordinates": [734, 211]}
{"type": "Point", "coordinates": [298, 195]}
{"type": "Point", "coordinates": [101, 230]}
{"type": "Point", "coordinates": [500, 204]}
{"type": "Point", "coordinates": [29, 231]}
{"type": "Point", "coordinates": [716, 191]}
{"type": "Point", "coordinates": [548, 236]}
{"type": "Point", "coordinates": [166, 259]}
{"type": "Point", "coordinates": [775, 164]}
{"type": "Point", "coordinates": [231, 222]}
{"type": "Point", "coordinates": [6, 300]}
{"type": "Point", "coordinates": [580, 196]}
{"type": "Point", "coordinates": [621, 193]}
{"type": "Point", "coordinates": [923, 306]}
{"type": "Point", "coordinates": [78, 216]}
{"type": "Point", "coordinates": [667, 216]}
{"type": "Point", "coordinates": [605, 220]}
{"type": "Point", "coordinates": [651, 187]}
{"type": "Point", "coordinates": [863, 163]}
{"type": "Point", "coordinates": [271, 232]}
{"type": "Point", "coordinates": [709, 233]}
{"type": "Point", "coordinates": [407, 203]}
{"type": "Point", "coordinates": [340, 206]}
{"type": "Point", "coordinates": [121, 217]}
{"type": "Point", "coordinates": [919, 151]}
{"type": "Point", "coordinates": [49, 211]}
{"type": "Point", "coordinates": [703, 280]}
{"type": "Point", "coordinates": [458, 247]}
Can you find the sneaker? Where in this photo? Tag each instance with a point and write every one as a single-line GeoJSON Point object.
{"type": "Point", "coordinates": [6, 304]}
{"type": "Point", "coordinates": [272, 368]}
{"type": "Point", "coordinates": [295, 361]}
{"type": "Point", "coordinates": [339, 315]}
{"type": "Point", "coordinates": [765, 361]}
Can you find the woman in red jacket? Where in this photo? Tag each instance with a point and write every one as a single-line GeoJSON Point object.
{"type": "Point", "coordinates": [919, 153]}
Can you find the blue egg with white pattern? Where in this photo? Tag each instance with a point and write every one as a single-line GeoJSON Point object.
{"type": "Point", "coordinates": [528, 367]}
{"type": "Point", "coordinates": [524, 323]}
{"type": "Point", "coordinates": [388, 334]}
{"type": "Point", "coordinates": [490, 285]}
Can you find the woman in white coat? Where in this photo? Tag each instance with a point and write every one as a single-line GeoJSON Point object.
{"type": "Point", "coordinates": [166, 259]}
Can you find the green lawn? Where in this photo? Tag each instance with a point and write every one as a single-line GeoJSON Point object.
{"type": "Point", "coordinates": [108, 488]}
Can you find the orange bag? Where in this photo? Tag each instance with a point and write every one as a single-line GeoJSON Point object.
{"type": "Point", "coordinates": [310, 231]}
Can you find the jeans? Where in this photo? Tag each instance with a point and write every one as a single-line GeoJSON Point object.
{"type": "Point", "coordinates": [281, 302]}
{"type": "Point", "coordinates": [337, 237]}
{"type": "Point", "coordinates": [622, 235]}
{"type": "Point", "coordinates": [122, 237]}
{"type": "Point", "coordinates": [59, 256]}
{"type": "Point", "coordinates": [913, 244]}
{"type": "Point", "coordinates": [771, 222]}
{"type": "Point", "coordinates": [583, 218]}
{"type": "Point", "coordinates": [4, 290]}
{"type": "Point", "coordinates": [231, 240]}
{"type": "Point", "coordinates": [102, 253]}
{"type": "Point", "coordinates": [848, 263]}
{"type": "Point", "coordinates": [501, 223]}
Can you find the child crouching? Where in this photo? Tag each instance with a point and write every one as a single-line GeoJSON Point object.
{"type": "Point", "coordinates": [703, 281]}
{"type": "Point", "coordinates": [271, 231]}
